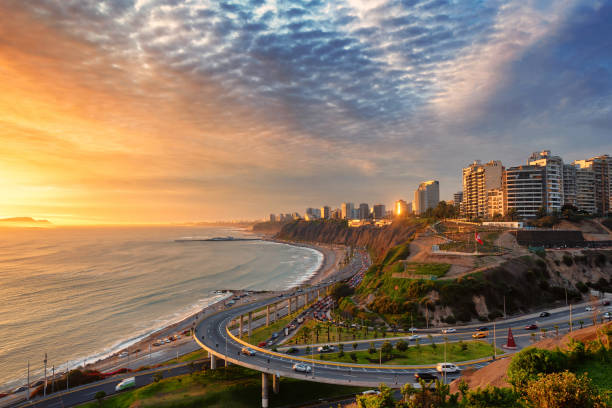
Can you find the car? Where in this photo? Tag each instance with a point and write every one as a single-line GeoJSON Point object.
{"type": "Point", "coordinates": [325, 349]}
{"type": "Point", "coordinates": [412, 329]}
{"type": "Point", "coordinates": [262, 344]}
{"type": "Point", "coordinates": [544, 314]}
{"type": "Point", "coordinates": [269, 343]}
{"type": "Point", "coordinates": [292, 350]}
{"type": "Point", "coordinates": [589, 309]}
{"type": "Point", "coordinates": [480, 335]}
{"type": "Point", "coordinates": [125, 384]}
{"type": "Point", "coordinates": [274, 335]}
{"type": "Point", "coordinates": [449, 330]}
{"type": "Point", "coordinates": [302, 368]}
{"type": "Point", "coordinates": [123, 354]}
{"type": "Point", "coordinates": [371, 392]}
{"type": "Point", "coordinates": [607, 315]}
{"type": "Point", "coordinates": [482, 329]}
{"type": "Point", "coordinates": [447, 368]}
{"type": "Point", "coordinates": [247, 351]}
{"type": "Point", "coordinates": [414, 337]}
{"type": "Point", "coordinates": [606, 303]}
{"type": "Point", "coordinates": [425, 376]}
{"type": "Point", "coordinates": [532, 326]}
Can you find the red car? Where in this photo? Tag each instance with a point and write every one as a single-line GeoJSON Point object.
{"type": "Point", "coordinates": [531, 327]}
{"type": "Point", "coordinates": [262, 344]}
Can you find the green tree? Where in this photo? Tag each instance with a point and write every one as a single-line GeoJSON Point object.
{"type": "Point", "coordinates": [100, 395]}
{"type": "Point", "coordinates": [353, 356]}
{"type": "Point", "coordinates": [355, 345]}
{"type": "Point", "coordinates": [433, 342]}
{"type": "Point", "coordinates": [529, 363]}
{"type": "Point", "coordinates": [157, 377]}
{"type": "Point", "coordinates": [317, 330]}
{"type": "Point", "coordinates": [563, 390]}
{"type": "Point", "coordinates": [401, 346]}
{"type": "Point", "coordinates": [387, 347]}
{"type": "Point", "coordinates": [341, 350]}
{"type": "Point", "coordinates": [490, 397]}
{"type": "Point", "coordinates": [383, 400]}
{"type": "Point", "coordinates": [372, 348]}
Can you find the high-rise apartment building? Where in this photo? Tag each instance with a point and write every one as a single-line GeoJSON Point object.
{"type": "Point", "coordinates": [585, 190]}
{"type": "Point", "coordinates": [426, 196]}
{"type": "Point", "coordinates": [272, 217]}
{"type": "Point", "coordinates": [347, 210]}
{"type": "Point", "coordinates": [553, 178]}
{"type": "Point", "coordinates": [478, 179]}
{"type": "Point", "coordinates": [379, 211]}
{"type": "Point", "coordinates": [524, 190]}
{"type": "Point", "coordinates": [495, 202]}
{"type": "Point", "coordinates": [325, 212]}
{"type": "Point", "coordinates": [601, 166]}
{"type": "Point", "coordinates": [336, 214]}
{"type": "Point", "coordinates": [400, 208]}
{"type": "Point", "coordinates": [457, 198]}
{"type": "Point", "coordinates": [569, 185]}
{"type": "Point", "coordinates": [364, 211]}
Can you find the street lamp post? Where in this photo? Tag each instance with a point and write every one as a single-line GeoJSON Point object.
{"type": "Point", "coordinates": [28, 395]}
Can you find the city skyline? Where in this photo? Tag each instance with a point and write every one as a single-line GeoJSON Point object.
{"type": "Point", "coordinates": [154, 112]}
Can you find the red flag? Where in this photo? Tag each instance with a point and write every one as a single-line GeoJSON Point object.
{"type": "Point", "coordinates": [478, 239]}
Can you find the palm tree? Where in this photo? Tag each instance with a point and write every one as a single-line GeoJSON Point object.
{"type": "Point", "coordinates": [339, 331]}
{"type": "Point", "coordinates": [581, 324]}
{"type": "Point", "coordinates": [306, 334]}
{"type": "Point", "coordinates": [355, 345]}
{"type": "Point", "coordinates": [556, 330]}
{"type": "Point", "coordinates": [383, 331]}
{"type": "Point", "coordinates": [328, 329]}
{"type": "Point", "coordinates": [317, 331]}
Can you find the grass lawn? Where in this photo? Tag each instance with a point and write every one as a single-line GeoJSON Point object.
{"type": "Point", "coordinates": [434, 269]}
{"type": "Point", "coordinates": [424, 354]}
{"type": "Point", "coordinates": [237, 387]}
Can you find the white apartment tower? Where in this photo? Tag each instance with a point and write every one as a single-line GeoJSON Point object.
{"type": "Point", "coordinates": [478, 180]}
{"type": "Point", "coordinates": [426, 196]}
{"type": "Point", "coordinates": [601, 166]}
{"type": "Point", "coordinates": [553, 178]}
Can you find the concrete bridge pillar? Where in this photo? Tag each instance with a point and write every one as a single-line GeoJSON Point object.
{"type": "Point", "coordinates": [240, 326]}
{"type": "Point", "coordinates": [213, 361]}
{"type": "Point", "coordinates": [264, 390]}
{"type": "Point", "coordinates": [275, 384]}
{"type": "Point", "coordinates": [267, 315]}
{"type": "Point", "coordinates": [250, 320]}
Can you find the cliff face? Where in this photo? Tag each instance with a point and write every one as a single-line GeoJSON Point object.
{"type": "Point", "coordinates": [378, 239]}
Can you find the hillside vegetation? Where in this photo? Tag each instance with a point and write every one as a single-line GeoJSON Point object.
{"type": "Point", "coordinates": [526, 283]}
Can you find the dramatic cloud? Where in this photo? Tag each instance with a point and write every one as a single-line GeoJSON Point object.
{"type": "Point", "coordinates": [156, 110]}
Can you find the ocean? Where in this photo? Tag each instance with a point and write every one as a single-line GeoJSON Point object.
{"type": "Point", "coordinates": [82, 293]}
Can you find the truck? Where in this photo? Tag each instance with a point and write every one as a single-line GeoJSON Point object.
{"type": "Point", "coordinates": [125, 384]}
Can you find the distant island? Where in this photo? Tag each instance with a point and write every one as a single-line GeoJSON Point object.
{"type": "Point", "coordinates": [24, 222]}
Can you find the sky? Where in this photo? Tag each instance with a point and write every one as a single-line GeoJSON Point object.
{"type": "Point", "coordinates": [157, 111]}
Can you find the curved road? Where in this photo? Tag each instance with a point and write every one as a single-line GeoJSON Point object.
{"type": "Point", "coordinates": [212, 335]}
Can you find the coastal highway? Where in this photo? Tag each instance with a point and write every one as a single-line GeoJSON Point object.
{"type": "Point", "coordinates": [212, 335]}
{"type": "Point", "coordinates": [85, 393]}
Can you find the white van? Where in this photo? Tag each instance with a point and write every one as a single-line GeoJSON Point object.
{"type": "Point", "coordinates": [447, 368]}
{"type": "Point", "coordinates": [125, 384]}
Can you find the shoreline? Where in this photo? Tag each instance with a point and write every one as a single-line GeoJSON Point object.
{"type": "Point", "coordinates": [143, 353]}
